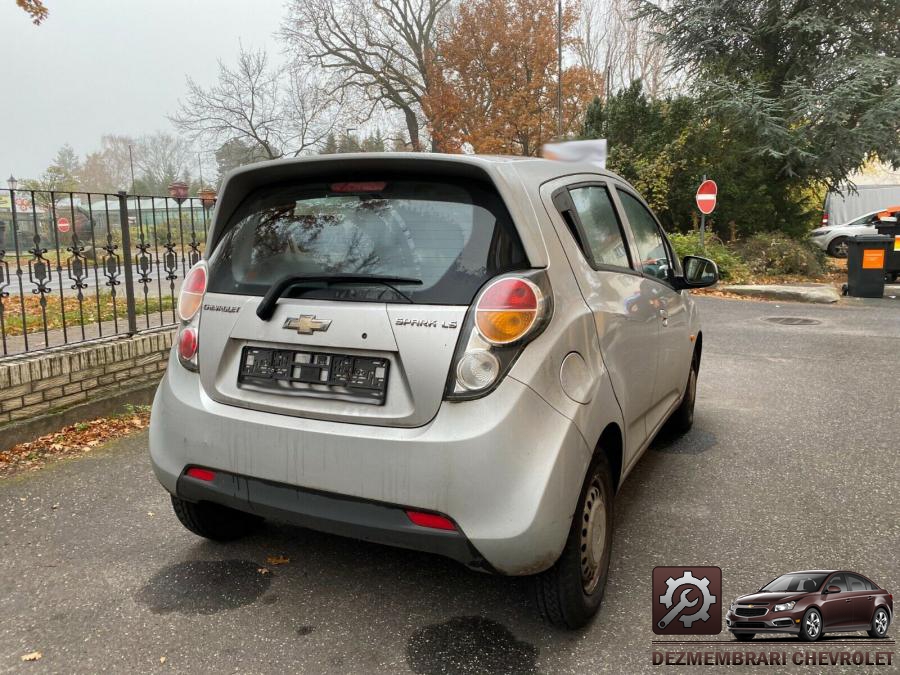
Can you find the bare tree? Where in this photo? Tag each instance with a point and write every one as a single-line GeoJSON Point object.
{"type": "Point", "coordinates": [614, 41]}
{"type": "Point", "coordinates": [160, 159]}
{"type": "Point", "coordinates": [381, 49]}
{"type": "Point", "coordinates": [281, 110]}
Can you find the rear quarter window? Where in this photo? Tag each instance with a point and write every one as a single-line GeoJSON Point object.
{"type": "Point", "coordinates": [451, 235]}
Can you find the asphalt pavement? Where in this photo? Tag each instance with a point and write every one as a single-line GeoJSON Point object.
{"type": "Point", "coordinates": [792, 464]}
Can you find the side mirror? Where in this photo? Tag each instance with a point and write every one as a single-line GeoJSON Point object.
{"type": "Point", "coordinates": [833, 589]}
{"type": "Point", "coordinates": [698, 272]}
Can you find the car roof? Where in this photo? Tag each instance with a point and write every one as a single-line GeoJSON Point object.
{"type": "Point", "coordinates": [815, 572]}
{"type": "Point", "coordinates": [530, 169]}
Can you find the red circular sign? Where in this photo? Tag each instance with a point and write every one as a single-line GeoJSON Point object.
{"type": "Point", "coordinates": [706, 196]}
{"type": "Point", "coordinates": [62, 224]}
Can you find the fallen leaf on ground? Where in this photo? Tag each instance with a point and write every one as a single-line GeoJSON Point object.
{"type": "Point", "coordinates": [162, 659]}
{"type": "Point", "coordinates": [262, 570]}
{"type": "Point", "coordinates": [33, 656]}
{"type": "Point", "coordinates": [75, 438]}
{"type": "Point", "coordinates": [277, 560]}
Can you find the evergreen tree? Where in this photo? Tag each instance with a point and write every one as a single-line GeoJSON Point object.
{"type": "Point", "coordinates": [330, 146]}
{"type": "Point", "coordinates": [813, 86]}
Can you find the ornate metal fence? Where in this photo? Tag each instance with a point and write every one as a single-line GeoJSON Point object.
{"type": "Point", "coordinates": [76, 266]}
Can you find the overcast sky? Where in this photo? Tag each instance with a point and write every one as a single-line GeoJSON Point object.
{"type": "Point", "coordinates": [111, 66]}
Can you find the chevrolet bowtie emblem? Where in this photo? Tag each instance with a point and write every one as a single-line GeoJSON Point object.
{"type": "Point", "coordinates": [305, 324]}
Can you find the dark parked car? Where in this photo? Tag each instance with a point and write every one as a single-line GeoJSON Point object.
{"type": "Point", "coordinates": [812, 603]}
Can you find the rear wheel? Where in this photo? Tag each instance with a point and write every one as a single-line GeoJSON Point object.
{"type": "Point", "coordinates": [880, 623]}
{"type": "Point", "coordinates": [837, 248]}
{"type": "Point", "coordinates": [214, 521]}
{"type": "Point", "coordinates": [570, 592]}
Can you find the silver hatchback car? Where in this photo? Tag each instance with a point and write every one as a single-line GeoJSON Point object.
{"type": "Point", "coordinates": [457, 354]}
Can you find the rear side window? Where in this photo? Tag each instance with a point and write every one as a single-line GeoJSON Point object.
{"type": "Point", "coordinates": [601, 226]}
{"type": "Point", "coordinates": [451, 235]}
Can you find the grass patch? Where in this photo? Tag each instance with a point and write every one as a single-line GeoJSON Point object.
{"type": "Point", "coordinates": [89, 313]}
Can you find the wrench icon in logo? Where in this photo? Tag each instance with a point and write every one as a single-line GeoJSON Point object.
{"type": "Point", "coordinates": [682, 604]}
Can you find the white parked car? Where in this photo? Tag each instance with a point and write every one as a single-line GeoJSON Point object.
{"type": "Point", "coordinates": [833, 240]}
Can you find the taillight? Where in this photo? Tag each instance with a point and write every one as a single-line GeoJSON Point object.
{"type": "Point", "coordinates": [192, 291]}
{"type": "Point", "coordinates": [189, 302]}
{"type": "Point", "coordinates": [188, 343]}
{"type": "Point", "coordinates": [509, 313]}
{"type": "Point", "coordinates": [507, 310]}
{"type": "Point", "coordinates": [825, 219]}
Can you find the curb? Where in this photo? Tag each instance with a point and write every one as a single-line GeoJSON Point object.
{"type": "Point", "coordinates": [28, 430]}
{"type": "Point", "coordinates": [818, 294]}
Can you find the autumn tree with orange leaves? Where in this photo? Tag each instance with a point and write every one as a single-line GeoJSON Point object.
{"type": "Point", "coordinates": [493, 82]}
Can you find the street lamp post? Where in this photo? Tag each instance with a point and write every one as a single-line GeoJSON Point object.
{"type": "Point", "coordinates": [13, 183]}
{"type": "Point", "coordinates": [559, 70]}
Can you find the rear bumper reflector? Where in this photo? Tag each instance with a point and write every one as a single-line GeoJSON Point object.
{"type": "Point", "coordinates": [201, 474]}
{"type": "Point", "coordinates": [431, 520]}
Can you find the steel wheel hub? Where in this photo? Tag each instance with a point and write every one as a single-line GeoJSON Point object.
{"type": "Point", "coordinates": [593, 537]}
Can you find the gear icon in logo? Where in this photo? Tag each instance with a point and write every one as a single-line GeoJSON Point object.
{"type": "Point", "coordinates": [700, 584]}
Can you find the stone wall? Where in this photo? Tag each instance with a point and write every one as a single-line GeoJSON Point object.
{"type": "Point", "coordinates": [54, 380]}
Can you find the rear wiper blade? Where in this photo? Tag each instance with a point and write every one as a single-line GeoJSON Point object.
{"type": "Point", "coordinates": [267, 307]}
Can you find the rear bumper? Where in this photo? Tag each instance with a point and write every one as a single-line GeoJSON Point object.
{"type": "Point", "coordinates": [507, 469]}
{"type": "Point", "coordinates": [360, 519]}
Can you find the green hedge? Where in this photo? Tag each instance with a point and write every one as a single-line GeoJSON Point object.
{"type": "Point", "coordinates": [731, 267]}
{"type": "Point", "coordinates": [776, 254]}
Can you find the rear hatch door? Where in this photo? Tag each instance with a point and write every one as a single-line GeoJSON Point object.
{"type": "Point", "coordinates": [363, 352]}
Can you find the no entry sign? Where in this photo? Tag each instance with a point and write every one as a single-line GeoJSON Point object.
{"type": "Point", "coordinates": [62, 224]}
{"type": "Point", "coordinates": [706, 196]}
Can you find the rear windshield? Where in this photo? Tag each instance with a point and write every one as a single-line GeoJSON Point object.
{"type": "Point", "coordinates": [451, 235]}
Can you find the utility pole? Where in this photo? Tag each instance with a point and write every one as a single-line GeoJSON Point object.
{"type": "Point", "coordinates": [131, 163]}
{"type": "Point", "coordinates": [559, 70]}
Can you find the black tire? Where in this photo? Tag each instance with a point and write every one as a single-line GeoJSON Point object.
{"type": "Point", "coordinates": [569, 593]}
{"type": "Point", "coordinates": [682, 418]}
{"type": "Point", "coordinates": [811, 625]}
{"type": "Point", "coordinates": [881, 620]}
{"type": "Point", "coordinates": [744, 637]}
{"type": "Point", "coordinates": [214, 521]}
{"type": "Point", "coordinates": [837, 248]}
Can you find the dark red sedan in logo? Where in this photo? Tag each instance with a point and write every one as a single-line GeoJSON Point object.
{"type": "Point", "coordinates": [812, 603]}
